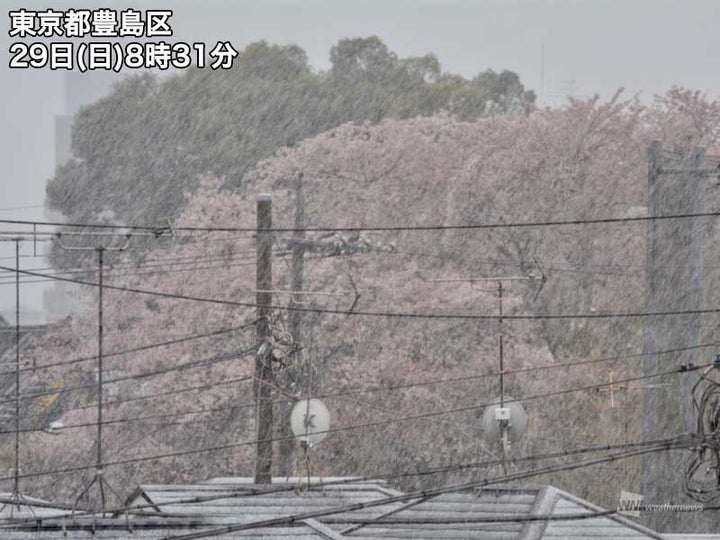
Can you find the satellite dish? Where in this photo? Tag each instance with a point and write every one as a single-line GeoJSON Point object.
{"type": "Point", "coordinates": [512, 412]}
{"type": "Point", "coordinates": [310, 421]}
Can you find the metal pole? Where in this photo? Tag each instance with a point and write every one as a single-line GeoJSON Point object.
{"type": "Point", "coordinates": [298, 262]}
{"type": "Point", "coordinates": [286, 447]}
{"type": "Point", "coordinates": [99, 478]}
{"type": "Point", "coordinates": [100, 363]}
{"type": "Point", "coordinates": [542, 72]}
{"type": "Point", "coordinates": [16, 488]}
{"type": "Point", "coordinates": [263, 360]}
{"type": "Point", "coordinates": [502, 380]}
{"type": "Point", "coordinates": [503, 423]}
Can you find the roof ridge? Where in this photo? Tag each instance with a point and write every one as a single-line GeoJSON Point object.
{"type": "Point", "coordinates": [614, 517]}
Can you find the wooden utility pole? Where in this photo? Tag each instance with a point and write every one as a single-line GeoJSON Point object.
{"type": "Point", "coordinates": [263, 359]}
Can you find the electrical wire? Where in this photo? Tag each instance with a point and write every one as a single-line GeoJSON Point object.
{"type": "Point", "coordinates": [367, 425]}
{"type": "Point", "coordinates": [387, 314]}
{"type": "Point", "coordinates": [423, 494]}
{"type": "Point", "coordinates": [145, 271]}
{"type": "Point", "coordinates": [361, 390]}
{"type": "Point", "coordinates": [179, 367]}
{"type": "Point", "coordinates": [702, 474]}
{"type": "Point", "coordinates": [480, 226]}
{"type": "Point", "coordinates": [243, 255]}
{"type": "Point", "coordinates": [388, 388]}
{"type": "Point", "coordinates": [553, 266]}
{"type": "Point", "coordinates": [136, 419]}
{"type": "Point", "coordinates": [679, 442]}
{"type": "Point", "coordinates": [140, 348]}
{"type": "Point", "coordinates": [156, 395]}
{"type": "Point", "coordinates": [563, 365]}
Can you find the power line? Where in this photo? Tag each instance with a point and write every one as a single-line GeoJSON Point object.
{"type": "Point", "coordinates": [387, 388]}
{"type": "Point", "coordinates": [146, 270]}
{"type": "Point", "coordinates": [668, 444]}
{"type": "Point", "coordinates": [25, 207]}
{"type": "Point", "coordinates": [339, 394]}
{"type": "Point", "coordinates": [140, 272]}
{"type": "Point", "coordinates": [367, 425]}
{"type": "Point", "coordinates": [424, 494]}
{"type": "Point", "coordinates": [388, 314]}
{"type": "Point", "coordinates": [360, 391]}
{"type": "Point", "coordinates": [140, 268]}
{"type": "Point", "coordinates": [356, 391]}
{"type": "Point", "coordinates": [155, 263]}
{"type": "Point", "coordinates": [546, 265]}
{"type": "Point", "coordinates": [156, 395]}
{"type": "Point", "coordinates": [23, 257]}
{"type": "Point", "coordinates": [136, 419]}
{"type": "Point", "coordinates": [136, 349]}
{"type": "Point", "coordinates": [179, 367]}
{"type": "Point", "coordinates": [496, 225]}
{"type": "Point", "coordinates": [516, 371]}
{"type": "Point", "coordinates": [661, 444]}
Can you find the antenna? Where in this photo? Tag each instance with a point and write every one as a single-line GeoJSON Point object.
{"type": "Point", "coordinates": [16, 499]}
{"type": "Point", "coordinates": [507, 422]}
{"type": "Point", "coordinates": [310, 421]}
{"type": "Point", "coordinates": [16, 470]}
{"type": "Point", "coordinates": [504, 416]}
{"type": "Point", "coordinates": [615, 387]}
{"type": "Point", "coordinates": [99, 477]}
{"type": "Point", "coordinates": [542, 70]}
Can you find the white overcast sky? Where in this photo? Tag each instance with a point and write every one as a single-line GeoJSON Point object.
{"type": "Point", "coordinates": [591, 46]}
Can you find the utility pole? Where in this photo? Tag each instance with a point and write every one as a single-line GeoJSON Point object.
{"type": "Point", "coordinates": [263, 359]}
{"type": "Point", "coordinates": [287, 441]}
{"type": "Point", "coordinates": [674, 277]}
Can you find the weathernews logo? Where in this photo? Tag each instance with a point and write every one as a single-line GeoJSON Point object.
{"type": "Point", "coordinates": [631, 504]}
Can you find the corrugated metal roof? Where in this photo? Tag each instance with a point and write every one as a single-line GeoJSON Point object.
{"type": "Point", "coordinates": [615, 526]}
{"type": "Point", "coordinates": [302, 531]}
{"type": "Point", "coordinates": [23, 507]}
{"type": "Point", "coordinates": [244, 501]}
{"type": "Point", "coordinates": [496, 502]}
{"type": "Point", "coordinates": [448, 516]}
{"type": "Point", "coordinates": [691, 536]}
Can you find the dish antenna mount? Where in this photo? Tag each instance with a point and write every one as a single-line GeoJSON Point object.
{"type": "Point", "coordinates": [505, 421]}
{"type": "Point", "coordinates": [310, 421]}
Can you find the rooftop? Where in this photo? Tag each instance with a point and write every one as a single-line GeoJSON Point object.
{"type": "Point", "coordinates": [336, 508]}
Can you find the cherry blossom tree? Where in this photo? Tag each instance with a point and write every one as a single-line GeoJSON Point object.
{"type": "Point", "coordinates": [582, 161]}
